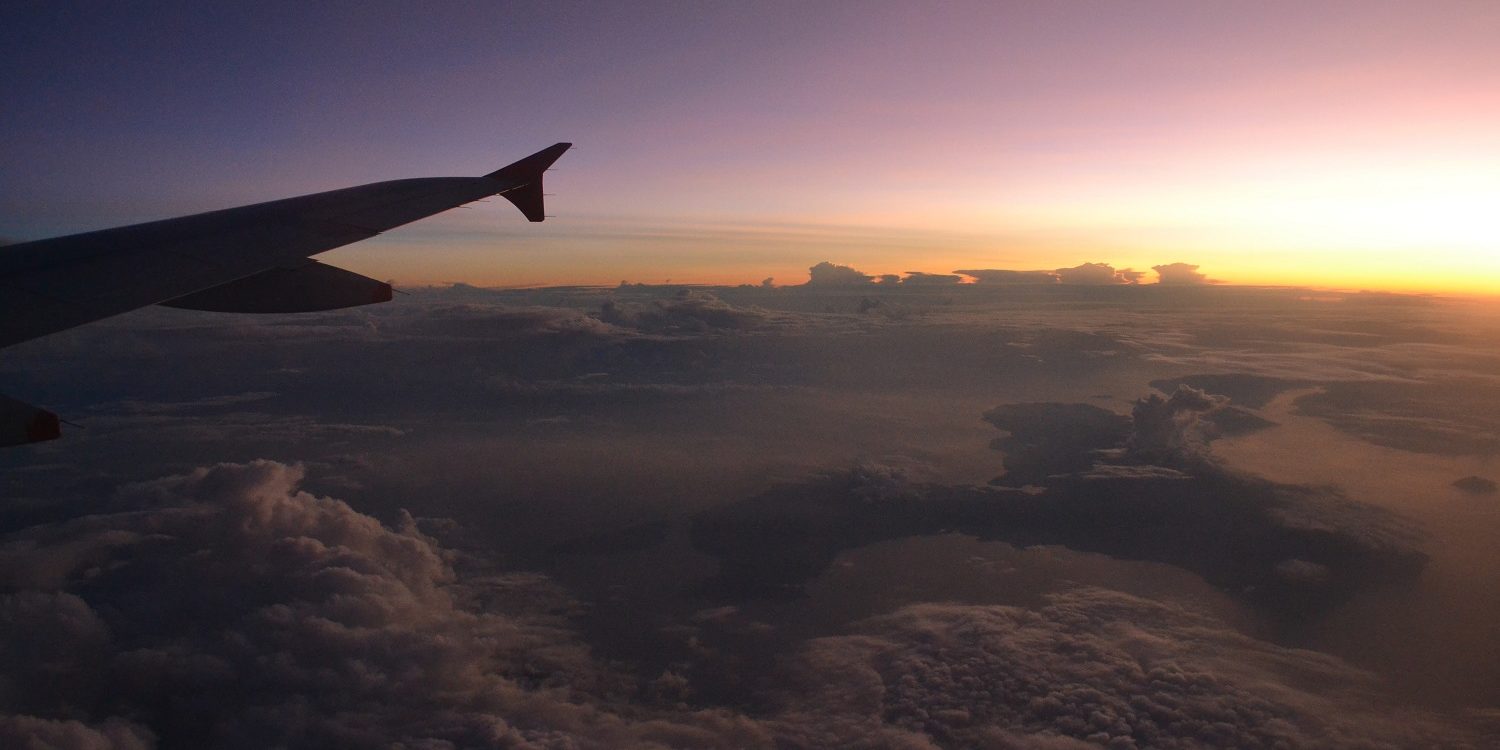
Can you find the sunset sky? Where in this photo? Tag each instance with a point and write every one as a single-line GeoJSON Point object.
{"type": "Point", "coordinates": [1345, 145]}
{"type": "Point", "coordinates": [861, 505]}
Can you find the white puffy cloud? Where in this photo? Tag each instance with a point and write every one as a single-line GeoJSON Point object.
{"type": "Point", "coordinates": [1096, 274]}
{"type": "Point", "coordinates": [1179, 273]}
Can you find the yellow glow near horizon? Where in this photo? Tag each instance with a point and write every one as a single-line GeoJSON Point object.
{"type": "Point", "coordinates": [1413, 225]}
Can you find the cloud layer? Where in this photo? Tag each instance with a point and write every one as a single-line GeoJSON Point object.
{"type": "Point", "coordinates": [1090, 668]}
{"type": "Point", "coordinates": [227, 608]}
{"type": "Point", "coordinates": [1143, 487]}
{"type": "Point", "coordinates": [230, 609]}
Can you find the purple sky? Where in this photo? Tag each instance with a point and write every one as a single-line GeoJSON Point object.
{"type": "Point", "coordinates": [1338, 144]}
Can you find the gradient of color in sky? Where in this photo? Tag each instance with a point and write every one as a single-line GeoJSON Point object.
{"type": "Point", "coordinates": [1352, 145]}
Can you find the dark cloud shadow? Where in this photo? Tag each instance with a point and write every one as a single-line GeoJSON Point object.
{"type": "Point", "coordinates": [1139, 488]}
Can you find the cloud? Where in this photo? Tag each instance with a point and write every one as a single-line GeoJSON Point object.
{"type": "Point", "coordinates": [1090, 274]}
{"type": "Point", "coordinates": [1244, 389]}
{"type": "Point", "coordinates": [1097, 274]}
{"type": "Point", "coordinates": [918, 278]}
{"type": "Point", "coordinates": [231, 609]}
{"type": "Point", "coordinates": [1002, 276]}
{"type": "Point", "coordinates": [1179, 273]}
{"type": "Point", "coordinates": [530, 382]}
{"type": "Point", "coordinates": [36, 733]}
{"type": "Point", "coordinates": [1089, 668]}
{"type": "Point", "coordinates": [226, 607]}
{"type": "Point", "coordinates": [688, 311]}
{"type": "Point", "coordinates": [1476, 485]}
{"type": "Point", "coordinates": [1142, 487]}
{"type": "Point", "coordinates": [836, 275]}
{"type": "Point", "coordinates": [1132, 471]}
{"type": "Point", "coordinates": [1173, 430]}
{"type": "Point", "coordinates": [1048, 439]}
{"type": "Point", "coordinates": [1233, 532]}
{"type": "Point", "coordinates": [1455, 416]}
{"type": "Point", "coordinates": [487, 319]}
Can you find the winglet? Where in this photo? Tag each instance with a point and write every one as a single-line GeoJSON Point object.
{"type": "Point", "coordinates": [524, 179]}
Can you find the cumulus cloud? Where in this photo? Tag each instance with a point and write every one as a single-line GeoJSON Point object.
{"type": "Point", "coordinates": [834, 274]}
{"type": "Point", "coordinates": [226, 607]}
{"type": "Point", "coordinates": [1096, 274]}
{"type": "Point", "coordinates": [689, 310]}
{"type": "Point", "coordinates": [488, 319]}
{"type": "Point", "coordinates": [1089, 668]}
{"type": "Point", "coordinates": [35, 733]}
{"type": "Point", "coordinates": [1048, 439]}
{"type": "Point", "coordinates": [1173, 430]}
{"type": "Point", "coordinates": [235, 610]}
{"type": "Point", "coordinates": [1179, 273]}
{"type": "Point", "coordinates": [1245, 389]}
{"type": "Point", "coordinates": [1092, 274]}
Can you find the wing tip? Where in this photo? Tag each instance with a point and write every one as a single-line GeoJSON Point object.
{"type": "Point", "coordinates": [523, 180]}
{"type": "Point", "coordinates": [532, 166]}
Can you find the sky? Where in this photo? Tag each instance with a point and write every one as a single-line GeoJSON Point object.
{"type": "Point", "coordinates": [1334, 144]}
{"type": "Point", "coordinates": [1051, 508]}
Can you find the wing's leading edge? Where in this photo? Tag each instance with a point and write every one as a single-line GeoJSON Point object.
{"type": "Point", "coordinates": [52, 285]}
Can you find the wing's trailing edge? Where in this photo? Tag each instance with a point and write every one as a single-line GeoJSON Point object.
{"type": "Point", "coordinates": [526, 176]}
{"type": "Point", "coordinates": [309, 287]}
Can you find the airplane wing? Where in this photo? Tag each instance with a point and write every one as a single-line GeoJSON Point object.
{"type": "Point", "coordinates": [253, 258]}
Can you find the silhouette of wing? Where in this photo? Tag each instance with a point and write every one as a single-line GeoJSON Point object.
{"type": "Point", "coordinates": [248, 259]}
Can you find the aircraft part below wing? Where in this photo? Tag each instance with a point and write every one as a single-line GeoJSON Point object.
{"type": "Point", "coordinates": [52, 285]}
{"type": "Point", "coordinates": [22, 423]}
{"type": "Point", "coordinates": [307, 288]}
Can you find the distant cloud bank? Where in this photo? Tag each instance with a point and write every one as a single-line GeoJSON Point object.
{"type": "Point", "coordinates": [828, 273]}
